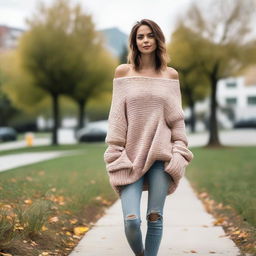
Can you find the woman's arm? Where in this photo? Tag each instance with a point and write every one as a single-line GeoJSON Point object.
{"type": "Point", "coordinates": [181, 155]}
{"type": "Point", "coordinates": [115, 155]}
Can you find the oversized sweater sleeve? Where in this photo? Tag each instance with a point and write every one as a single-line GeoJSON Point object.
{"type": "Point", "coordinates": [181, 155]}
{"type": "Point", "coordinates": [115, 156]}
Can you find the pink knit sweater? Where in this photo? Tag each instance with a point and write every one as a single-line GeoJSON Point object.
{"type": "Point", "coordinates": [145, 123]}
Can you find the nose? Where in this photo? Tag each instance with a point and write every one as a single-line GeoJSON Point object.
{"type": "Point", "coordinates": [145, 39]}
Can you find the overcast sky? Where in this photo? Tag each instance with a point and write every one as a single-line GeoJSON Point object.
{"type": "Point", "coordinates": [106, 13]}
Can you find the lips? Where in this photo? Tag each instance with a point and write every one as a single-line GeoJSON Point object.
{"type": "Point", "coordinates": [148, 46]}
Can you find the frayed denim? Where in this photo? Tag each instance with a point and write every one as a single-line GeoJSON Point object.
{"type": "Point", "coordinates": [158, 181]}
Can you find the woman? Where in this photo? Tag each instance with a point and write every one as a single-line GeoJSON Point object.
{"type": "Point", "coordinates": [147, 143]}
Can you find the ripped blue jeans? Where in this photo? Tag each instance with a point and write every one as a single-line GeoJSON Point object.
{"type": "Point", "coordinates": [158, 181]}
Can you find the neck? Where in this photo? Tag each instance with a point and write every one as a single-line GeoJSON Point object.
{"type": "Point", "coordinates": [147, 61]}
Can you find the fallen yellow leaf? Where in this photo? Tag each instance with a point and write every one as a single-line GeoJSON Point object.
{"type": "Point", "coordinates": [80, 230]}
{"type": "Point", "coordinates": [44, 228]}
{"type": "Point", "coordinates": [44, 254]}
{"type": "Point", "coordinates": [5, 254]}
{"type": "Point", "coordinates": [7, 206]}
{"type": "Point", "coordinates": [73, 221]}
{"type": "Point", "coordinates": [17, 226]}
{"type": "Point", "coordinates": [29, 178]}
{"type": "Point", "coordinates": [105, 202]}
{"type": "Point", "coordinates": [218, 221]}
{"type": "Point", "coordinates": [70, 244]}
{"type": "Point", "coordinates": [243, 235]}
{"type": "Point", "coordinates": [203, 194]}
{"type": "Point", "coordinates": [54, 219]}
{"type": "Point", "coordinates": [28, 201]}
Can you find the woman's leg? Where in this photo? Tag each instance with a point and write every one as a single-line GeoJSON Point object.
{"type": "Point", "coordinates": [159, 182]}
{"type": "Point", "coordinates": [130, 199]}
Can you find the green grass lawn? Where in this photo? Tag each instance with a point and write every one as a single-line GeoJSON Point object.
{"type": "Point", "coordinates": [72, 176]}
{"type": "Point", "coordinates": [76, 185]}
{"type": "Point", "coordinates": [228, 176]}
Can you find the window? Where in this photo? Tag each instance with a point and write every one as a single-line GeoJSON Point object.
{"type": "Point", "coordinates": [231, 84]}
{"type": "Point", "coordinates": [231, 101]}
{"type": "Point", "coordinates": [251, 100]}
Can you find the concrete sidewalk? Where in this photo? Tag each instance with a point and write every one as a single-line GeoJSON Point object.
{"type": "Point", "coordinates": [22, 144]}
{"type": "Point", "coordinates": [187, 228]}
{"type": "Point", "coordinates": [8, 162]}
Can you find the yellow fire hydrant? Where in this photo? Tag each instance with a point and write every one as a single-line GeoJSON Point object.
{"type": "Point", "coordinates": [29, 138]}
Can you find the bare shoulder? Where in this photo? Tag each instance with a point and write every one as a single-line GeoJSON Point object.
{"type": "Point", "coordinates": [121, 70]}
{"type": "Point", "coordinates": [173, 73]}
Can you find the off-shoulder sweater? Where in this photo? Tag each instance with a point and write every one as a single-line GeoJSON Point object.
{"type": "Point", "coordinates": [145, 123]}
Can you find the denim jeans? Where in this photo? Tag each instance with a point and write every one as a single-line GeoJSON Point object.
{"type": "Point", "coordinates": [158, 181]}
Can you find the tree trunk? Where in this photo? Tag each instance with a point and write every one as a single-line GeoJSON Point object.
{"type": "Point", "coordinates": [192, 116]}
{"type": "Point", "coordinates": [213, 124]}
{"type": "Point", "coordinates": [81, 114]}
{"type": "Point", "coordinates": [55, 110]}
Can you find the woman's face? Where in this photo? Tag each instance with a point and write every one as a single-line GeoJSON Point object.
{"type": "Point", "coordinates": [145, 37]}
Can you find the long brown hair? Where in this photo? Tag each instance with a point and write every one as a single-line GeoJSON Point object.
{"type": "Point", "coordinates": [161, 56]}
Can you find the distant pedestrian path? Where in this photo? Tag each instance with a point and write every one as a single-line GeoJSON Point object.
{"type": "Point", "coordinates": [236, 137]}
{"type": "Point", "coordinates": [8, 162]}
{"type": "Point", "coordinates": [22, 144]}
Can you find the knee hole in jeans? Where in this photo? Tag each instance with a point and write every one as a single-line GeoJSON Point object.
{"type": "Point", "coordinates": [132, 222]}
{"type": "Point", "coordinates": [154, 216]}
{"type": "Point", "coordinates": [131, 217]}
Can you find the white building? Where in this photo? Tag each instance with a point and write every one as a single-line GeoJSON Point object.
{"type": "Point", "coordinates": [9, 37]}
{"type": "Point", "coordinates": [236, 100]}
{"type": "Point", "coordinates": [236, 94]}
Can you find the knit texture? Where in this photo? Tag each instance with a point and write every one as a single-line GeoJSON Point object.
{"type": "Point", "coordinates": [145, 123]}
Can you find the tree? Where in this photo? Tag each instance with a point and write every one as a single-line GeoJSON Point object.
{"type": "Point", "coordinates": [97, 66]}
{"type": "Point", "coordinates": [7, 109]}
{"type": "Point", "coordinates": [18, 85]}
{"type": "Point", "coordinates": [194, 85]}
{"type": "Point", "coordinates": [222, 41]}
{"type": "Point", "coordinates": [50, 55]}
{"type": "Point", "coordinates": [95, 84]}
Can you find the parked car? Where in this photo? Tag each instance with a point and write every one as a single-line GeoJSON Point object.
{"type": "Point", "coordinates": [93, 132]}
{"type": "Point", "coordinates": [8, 134]}
{"type": "Point", "coordinates": [245, 123]}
